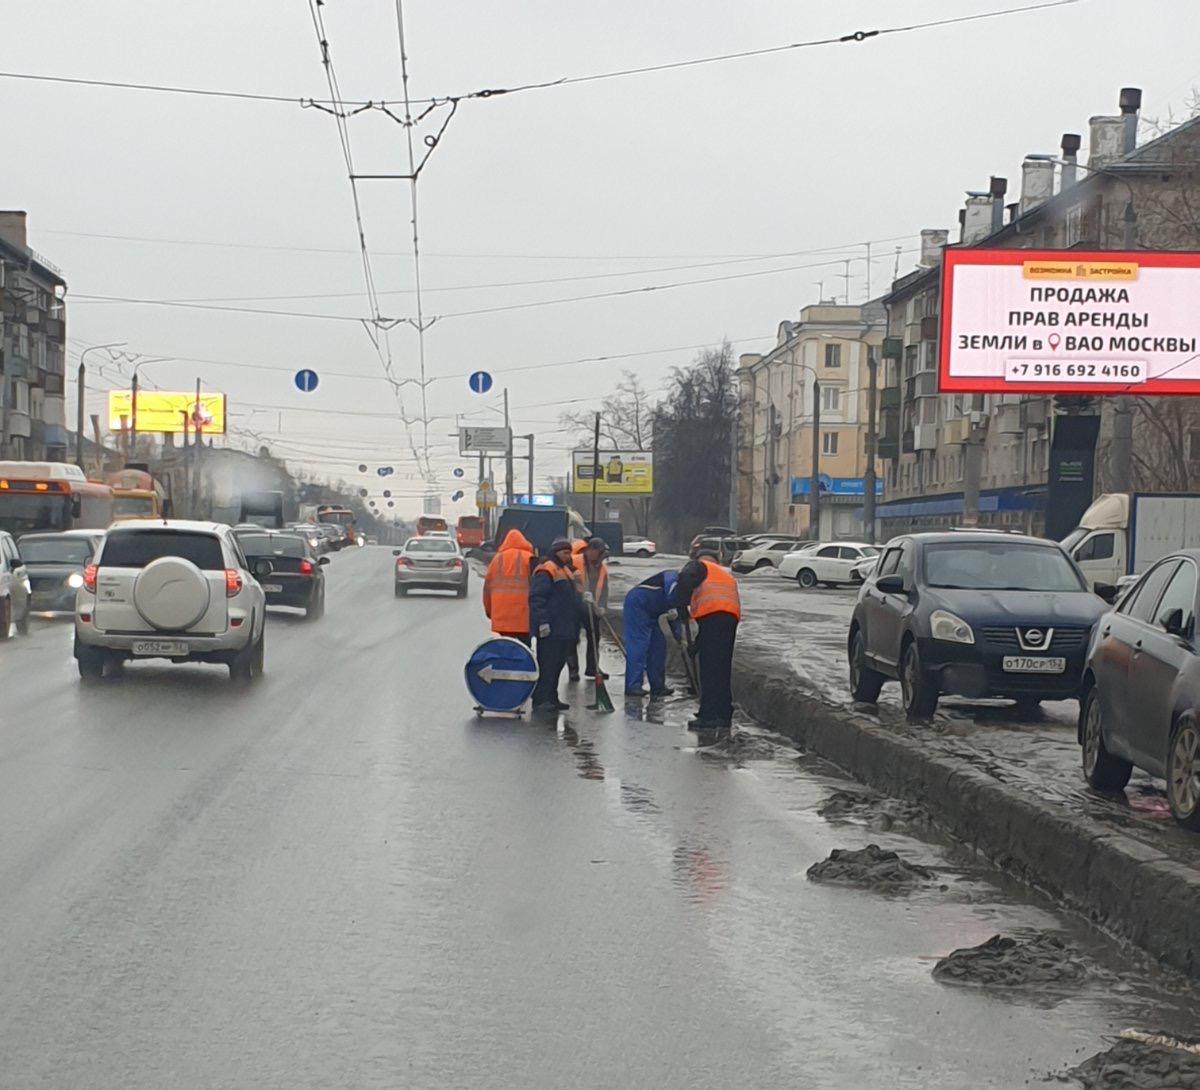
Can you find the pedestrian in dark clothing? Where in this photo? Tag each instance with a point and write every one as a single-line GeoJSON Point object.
{"type": "Point", "coordinates": [709, 593]}
{"type": "Point", "coordinates": [645, 644]}
{"type": "Point", "coordinates": [554, 605]}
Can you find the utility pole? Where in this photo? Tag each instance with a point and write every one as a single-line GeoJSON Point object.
{"type": "Point", "coordinates": [484, 513]}
{"type": "Point", "coordinates": [199, 440]}
{"type": "Point", "coordinates": [972, 471]}
{"type": "Point", "coordinates": [814, 484]}
{"type": "Point", "coordinates": [1122, 433]}
{"type": "Point", "coordinates": [595, 468]}
{"type": "Point", "coordinates": [529, 439]}
{"type": "Point", "coordinates": [872, 440]}
{"type": "Point", "coordinates": [133, 396]}
{"type": "Point", "coordinates": [733, 470]}
{"type": "Point", "coordinates": [769, 469]}
{"type": "Point", "coordinates": [508, 453]}
{"type": "Point", "coordinates": [80, 395]}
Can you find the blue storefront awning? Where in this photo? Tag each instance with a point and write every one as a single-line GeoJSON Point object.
{"type": "Point", "coordinates": [834, 486]}
{"type": "Point", "coordinates": [1019, 498]}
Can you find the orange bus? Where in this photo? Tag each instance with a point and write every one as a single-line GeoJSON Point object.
{"type": "Point", "coordinates": [428, 523]}
{"type": "Point", "coordinates": [51, 496]}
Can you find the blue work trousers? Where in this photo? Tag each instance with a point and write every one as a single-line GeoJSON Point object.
{"type": "Point", "coordinates": [645, 645]}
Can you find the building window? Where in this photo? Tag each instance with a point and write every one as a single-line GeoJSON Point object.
{"type": "Point", "coordinates": [833, 355]}
{"type": "Point", "coordinates": [1074, 220]}
{"type": "Point", "coordinates": [829, 442]}
{"type": "Point", "coordinates": [831, 399]}
{"type": "Point", "coordinates": [1194, 446]}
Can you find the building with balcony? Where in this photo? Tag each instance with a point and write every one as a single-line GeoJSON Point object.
{"type": "Point", "coordinates": [986, 458]}
{"type": "Point", "coordinates": [830, 344]}
{"type": "Point", "coordinates": [32, 349]}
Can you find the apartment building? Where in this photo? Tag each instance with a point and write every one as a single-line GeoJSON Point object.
{"type": "Point", "coordinates": [32, 349]}
{"type": "Point", "coordinates": [820, 360]}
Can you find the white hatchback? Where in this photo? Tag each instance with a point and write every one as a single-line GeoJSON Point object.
{"type": "Point", "coordinates": [831, 563]}
{"type": "Point", "coordinates": [175, 590]}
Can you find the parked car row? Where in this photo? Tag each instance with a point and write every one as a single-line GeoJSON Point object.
{"type": "Point", "coordinates": [998, 615]}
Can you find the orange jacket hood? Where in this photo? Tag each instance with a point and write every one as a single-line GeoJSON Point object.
{"type": "Point", "coordinates": [514, 539]}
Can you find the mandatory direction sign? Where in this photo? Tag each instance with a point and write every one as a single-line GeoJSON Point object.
{"type": "Point", "coordinates": [501, 674]}
{"type": "Point", "coordinates": [460, 472]}
{"type": "Point", "coordinates": [306, 380]}
{"type": "Point", "coordinates": [480, 382]}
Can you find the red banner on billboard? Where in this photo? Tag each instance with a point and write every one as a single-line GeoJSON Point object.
{"type": "Point", "coordinates": [1070, 321]}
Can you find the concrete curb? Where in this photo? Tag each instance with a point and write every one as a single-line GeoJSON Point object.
{"type": "Point", "coordinates": [1117, 882]}
{"type": "Point", "coordinates": [1124, 886]}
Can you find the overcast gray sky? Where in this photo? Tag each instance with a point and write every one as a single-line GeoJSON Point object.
{"type": "Point", "coordinates": [610, 183]}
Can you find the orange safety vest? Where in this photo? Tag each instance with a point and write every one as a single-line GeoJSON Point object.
{"type": "Point", "coordinates": [506, 586]}
{"type": "Point", "coordinates": [556, 571]}
{"type": "Point", "coordinates": [580, 561]}
{"type": "Point", "coordinates": [717, 594]}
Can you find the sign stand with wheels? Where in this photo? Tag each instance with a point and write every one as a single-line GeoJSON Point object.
{"type": "Point", "coordinates": [500, 675]}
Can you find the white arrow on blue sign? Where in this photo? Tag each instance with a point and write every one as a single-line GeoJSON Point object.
{"type": "Point", "coordinates": [306, 380]}
{"type": "Point", "coordinates": [480, 382]}
{"type": "Point", "coordinates": [459, 472]}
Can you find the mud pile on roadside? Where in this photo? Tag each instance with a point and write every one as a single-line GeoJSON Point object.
{"type": "Point", "coordinates": [741, 745]}
{"type": "Point", "coordinates": [1135, 1065]}
{"type": "Point", "coordinates": [1004, 962]}
{"type": "Point", "coordinates": [870, 868]}
{"type": "Point", "coordinates": [878, 811]}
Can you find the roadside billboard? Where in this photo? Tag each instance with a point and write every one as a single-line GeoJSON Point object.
{"type": "Point", "coordinates": [1070, 321]}
{"type": "Point", "coordinates": [622, 472]}
{"type": "Point", "coordinates": [158, 411]}
{"type": "Point", "coordinates": [476, 440]}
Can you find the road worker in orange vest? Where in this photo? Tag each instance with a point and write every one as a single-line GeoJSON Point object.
{"type": "Point", "coordinates": [506, 587]}
{"type": "Point", "coordinates": [554, 612]}
{"type": "Point", "coordinates": [709, 593]}
{"type": "Point", "coordinates": [588, 558]}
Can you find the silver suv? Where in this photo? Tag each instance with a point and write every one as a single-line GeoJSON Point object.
{"type": "Point", "coordinates": [172, 589]}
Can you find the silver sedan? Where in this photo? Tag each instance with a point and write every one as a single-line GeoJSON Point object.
{"type": "Point", "coordinates": [430, 563]}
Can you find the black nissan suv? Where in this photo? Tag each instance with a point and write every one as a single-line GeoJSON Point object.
{"type": "Point", "coordinates": [976, 614]}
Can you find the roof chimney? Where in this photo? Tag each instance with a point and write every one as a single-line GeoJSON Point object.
{"type": "Point", "coordinates": [976, 218]}
{"type": "Point", "coordinates": [1070, 152]}
{"type": "Point", "coordinates": [12, 229]}
{"type": "Point", "coordinates": [933, 242]}
{"type": "Point", "coordinates": [1131, 103]}
{"type": "Point", "coordinates": [997, 188]}
{"type": "Point", "coordinates": [1037, 182]}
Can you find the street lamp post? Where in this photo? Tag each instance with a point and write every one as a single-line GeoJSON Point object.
{"type": "Point", "coordinates": [81, 391]}
{"type": "Point", "coordinates": [133, 397]}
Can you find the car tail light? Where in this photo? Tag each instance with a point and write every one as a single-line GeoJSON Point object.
{"type": "Point", "coordinates": [233, 582]}
{"type": "Point", "coordinates": [456, 562]}
{"type": "Point", "coordinates": [404, 562]}
{"type": "Point", "coordinates": [89, 577]}
{"type": "Point", "coordinates": [306, 567]}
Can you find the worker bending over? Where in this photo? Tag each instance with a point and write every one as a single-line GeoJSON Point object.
{"type": "Point", "coordinates": [645, 644]}
{"type": "Point", "coordinates": [709, 593]}
{"type": "Point", "coordinates": [506, 587]}
{"type": "Point", "coordinates": [588, 558]}
{"type": "Point", "coordinates": [554, 607]}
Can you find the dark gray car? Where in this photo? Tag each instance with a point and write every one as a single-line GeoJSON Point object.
{"type": "Point", "coordinates": [1141, 687]}
{"type": "Point", "coordinates": [55, 563]}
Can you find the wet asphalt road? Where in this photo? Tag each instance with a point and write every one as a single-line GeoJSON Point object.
{"type": "Point", "coordinates": [340, 878]}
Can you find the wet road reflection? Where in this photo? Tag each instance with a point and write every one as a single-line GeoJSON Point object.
{"type": "Point", "coordinates": [340, 878]}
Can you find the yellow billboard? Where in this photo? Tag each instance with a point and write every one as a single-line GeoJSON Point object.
{"type": "Point", "coordinates": [622, 472]}
{"type": "Point", "coordinates": [158, 411]}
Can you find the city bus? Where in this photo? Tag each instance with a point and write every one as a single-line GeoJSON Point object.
{"type": "Point", "coordinates": [428, 524]}
{"type": "Point", "coordinates": [338, 516]}
{"type": "Point", "coordinates": [51, 496]}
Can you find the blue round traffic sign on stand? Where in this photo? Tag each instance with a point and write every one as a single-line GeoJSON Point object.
{"type": "Point", "coordinates": [306, 380]}
{"type": "Point", "coordinates": [480, 382]}
{"type": "Point", "coordinates": [500, 675]}
{"type": "Point", "coordinates": [460, 472]}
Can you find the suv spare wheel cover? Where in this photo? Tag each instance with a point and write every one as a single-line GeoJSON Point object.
{"type": "Point", "coordinates": [171, 593]}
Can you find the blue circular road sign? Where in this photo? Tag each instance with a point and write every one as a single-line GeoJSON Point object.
{"type": "Point", "coordinates": [306, 381]}
{"type": "Point", "coordinates": [460, 472]}
{"type": "Point", "coordinates": [385, 471]}
{"type": "Point", "coordinates": [480, 382]}
{"type": "Point", "coordinates": [501, 674]}
{"type": "Point", "coordinates": [456, 497]}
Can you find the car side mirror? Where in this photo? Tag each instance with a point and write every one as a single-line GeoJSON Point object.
{"type": "Point", "coordinates": [323, 560]}
{"type": "Point", "coordinates": [1172, 621]}
{"type": "Point", "coordinates": [1106, 591]}
{"type": "Point", "coordinates": [890, 584]}
{"type": "Point", "coordinates": [76, 506]}
{"type": "Point", "coordinates": [262, 568]}
{"type": "Point", "coordinates": [395, 552]}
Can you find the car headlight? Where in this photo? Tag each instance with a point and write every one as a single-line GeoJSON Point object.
{"type": "Point", "coordinates": [944, 625]}
{"type": "Point", "coordinates": [74, 580]}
